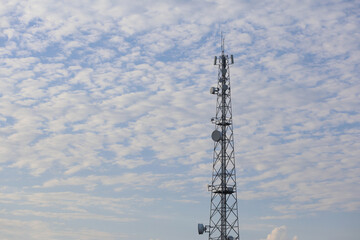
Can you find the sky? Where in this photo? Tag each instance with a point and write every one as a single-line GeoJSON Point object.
{"type": "Point", "coordinates": [105, 118]}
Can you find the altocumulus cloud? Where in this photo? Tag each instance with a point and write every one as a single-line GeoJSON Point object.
{"type": "Point", "coordinates": [104, 115]}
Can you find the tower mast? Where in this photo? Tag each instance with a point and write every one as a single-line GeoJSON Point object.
{"type": "Point", "coordinates": [224, 223]}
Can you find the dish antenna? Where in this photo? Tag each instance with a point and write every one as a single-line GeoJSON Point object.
{"type": "Point", "coordinates": [216, 135]}
{"type": "Point", "coordinates": [214, 90]}
{"type": "Point", "coordinates": [201, 228]}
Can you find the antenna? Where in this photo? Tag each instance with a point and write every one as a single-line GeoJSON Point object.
{"type": "Point", "coordinates": [222, 43]}
{"type": "Point", "coordinates": [224, 222]}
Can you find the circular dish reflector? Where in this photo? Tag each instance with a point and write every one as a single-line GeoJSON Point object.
{"type": "Point", "coordinates": [213, 90]}
{"type": "Point", "coordinates": [216, 135]}
{"type": "Point", "coordinates": [201, 228]}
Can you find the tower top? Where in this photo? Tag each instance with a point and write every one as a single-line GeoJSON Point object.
{"type": "Point", "coordinates": [224, 60]}
{"type": "Point", "coordinates": [222, 43]}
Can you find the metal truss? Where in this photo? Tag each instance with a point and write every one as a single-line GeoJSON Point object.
{"type": "Point", "coordinates": [224, 223]}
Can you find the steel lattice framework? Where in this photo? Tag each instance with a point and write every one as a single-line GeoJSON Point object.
{"type": "Point", "coordinates": [224, 223]}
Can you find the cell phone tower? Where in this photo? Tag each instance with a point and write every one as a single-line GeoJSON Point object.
{"type": "Point", "coordinates": [224, 222]}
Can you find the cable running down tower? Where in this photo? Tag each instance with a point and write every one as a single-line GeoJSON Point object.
{"type": "Point", "coordinates": [224, 222]}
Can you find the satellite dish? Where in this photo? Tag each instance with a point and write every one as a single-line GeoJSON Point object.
{"type": "Point", "coordinates": [230, 238]}
{"type": "Point", "coordinates": [201, 228]}
{"type": "Point", "coordinates": [214, 90]}
{"type": "Point", "coordinates": [216, 135]}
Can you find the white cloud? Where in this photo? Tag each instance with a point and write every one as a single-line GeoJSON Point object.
{"type": "Point", "coordinates": [279, 233]}
{"type": "Point", "coordinates": [111, 98]}
{"type": "Point", "coordinates": [16, 229]}
{"type": "Point", "coordinates": [278, 217]}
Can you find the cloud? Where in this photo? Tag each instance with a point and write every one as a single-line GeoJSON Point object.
{"type": "Point", "coordinates": [278, 217]}
{"type": "Point", "coordinates": [15, 229]}
{"type": "Point", "coordinates": [279, 233]}
{"type": "Point", "coordinates": [111, 99]}
{"type": "Point", "coordinates": [138, 181]}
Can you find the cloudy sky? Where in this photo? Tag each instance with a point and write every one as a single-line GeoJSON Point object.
{"type": "Point", "coordinates": [105, 118]}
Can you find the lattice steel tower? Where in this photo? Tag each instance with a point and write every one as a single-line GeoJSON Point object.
{"type": "Point", "coordinates": [224, 223]}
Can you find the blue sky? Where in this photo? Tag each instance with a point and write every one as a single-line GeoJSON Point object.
{"type": "Point", "coordinates": [105, 118]}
